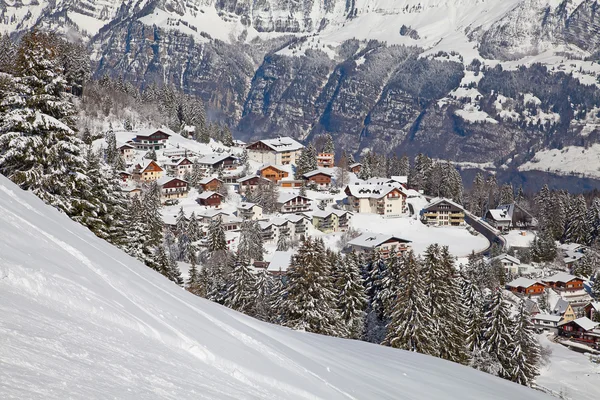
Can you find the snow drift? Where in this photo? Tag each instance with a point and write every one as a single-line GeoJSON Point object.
{"type": "Point", "coordinates": [80, 319]}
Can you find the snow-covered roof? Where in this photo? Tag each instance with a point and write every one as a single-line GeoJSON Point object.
{"type": "Point", "coordinates": [572, 256]}
{"type": "Point", "coordinates": [277, 167]}
{"type": "Point", "coordinates": [523, 282]}
{"type": "Point", "coordinates": [562, 277]}
{"type": "Point", "coordinates": [265, 224]}
{"type": "Point", "coordinates": [246, 178]}
{"type": "Point", "coordinates": [282, 144]}
{"type": "Point", "coordinates": [167, 179]}
{"type": "Point", "coordinates": [365, 191]}
{"type": "Point", "coordinates": [508, 257]}
{"type": "Point", "coordinates": [356, 164]}
{"type": "Point", "coordinates": [207, 194]}
{"type": "Point", "coordinates": [327, 213]}
{"type": "Point", "coordinates": [586, 323]}
{"type": "Point", "coordinates": [372, 240]}
{"type": "Point", "coordinates": [121, 145]}
{"type": "Point", "coordinates": [212, 159]}
{"type": "Point", "coordinates": [381, 181]}
{"type": "Point", "coordinates": [208, 179]}
{"type": "Point", "coordinates": [210, 213]}
{"type": "Point", "coordinates": [316, 172]}
{"type": "Point", "coordinates": [149, 132]}
{"type": "Point", "coordinates": [281, 261]}
{"type": "Point", "coordinates": [570, 247]}
{"type": "Point", "coordinates": [438, 200]}
{"type": "Point", "coordinates": [247, 206]}
{"type": "Point", "coordinates": [295, 217]}
{"type": "Point", "coordinates": [279, 221]}
{"type": "Point", "coordinates": [400, 179]}
{"type": "Point", "coordinates": [595, 305]}
{"type": "Point", "coordinates": [285, 197]}
{"type": "Point", "coordinates": [547, 317]}
{"type": "Point", "coordinates": [238, 142]}
{"type": "Point", "coordinates": [499, 215]}
{"type": "Point", "coordinates": [146, 163]}
{"type": "Point", "coordinates": [560, 307]}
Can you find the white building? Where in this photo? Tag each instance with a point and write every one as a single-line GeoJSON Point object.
{"type": "Point", "coordinates": [250, 211]}
{"type": "Point", "coordinates": [179, 167]}
{"type": "Point", "coordinates": [388, 200]}
{"type": "Point", "coordinates": [385, 244]}
{"type": "Point", "coordinates": [511, 264]}
{"type": "Point", "coordinates": [280, 151]}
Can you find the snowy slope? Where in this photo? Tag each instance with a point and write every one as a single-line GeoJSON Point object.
{"type": "Point", "coordinates": [80, 319]}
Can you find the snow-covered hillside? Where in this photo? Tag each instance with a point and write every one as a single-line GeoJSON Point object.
{"type": "Point", "coordinates": [80, 319]}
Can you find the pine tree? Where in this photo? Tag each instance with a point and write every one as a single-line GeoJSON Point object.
{"type": "Point", "coordinates": [593, 222]}
{"type": "Point", "coordinates": [525, 349]}
{"type": "Point", "coordinates": [216, 236]}
{"type": "Point", "coordinates": [39, 147]}
{"type": "Point", "coordinates": [263, 293]}
{"type": "Point", "coordinates": [138, 239]}
{"type": "Point", "coordinates": [497, 334]}
{"type": "Point", "coordinates": [577, 229]}
{"type": "Point", "coordinates": [240, 292]}
{"type": "Point", "coordinates": [472, 302]}
{"type": "Point", "coordinates": [543, 248]}
{"type": "Point", "coordinates": [309, 299]}
{"type": "Point", "coordinates": [595, 292]}
{"type": "Point", "coordinates": [283, 242]}
{"type": "Point", "coordinates": [352, 301]}
{"type": "Point", "coordinates": [194, 232]}
{"type": "Point", "coordinates": [181, 222]}
{"type": "Point", "coordinates": [8, 53]}
{"type": "Point", "coordinates": [110, 152]}
{"type": "Point", "coordinates": [307, 161]}
{"type": "Point", "coordinates": [410, 327]}
{"type": "Point", "coordinates": [250, 247]}
{"type": "Point", "coordinates": [151, 202]}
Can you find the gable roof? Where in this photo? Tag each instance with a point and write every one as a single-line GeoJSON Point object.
{"type": "Point", "coordinates": [146, 163]}
{"type": "Point", "coordinates": [547, 317]}
{"type": "Point", "coordinates": [150, 132]}
{"type": "Point", "coordinates": [166, 179]}
{"type": "Point", "coordinates": [207, 194]}
{"type": "Point", "coordinates": [285, 197]}
{"type": "Point", "coordinates": [585, 323]}
{"type": "Point", "coordinates": [281, 144]}
{"type": "Point", "coordinates": [356, 164]}
{"type": "Point", "coordinates": [213, 159]}
{"type": "Point", "coordinates": [438, 200]}
{"type": "Point", "coordinates": [208, 179]}
{"type": "Point", "coordinates": [561, 277]}
{"type": "Point", "coordinates": [561, 306]}
{"type": "Point", "coordinates": [499, 215]}
{"type": "Point", "coordinates": [362, 191]}
{"type": "Point", "coordinates": [272, 166]}
{"type": "Point", "coordinates": [403, 179]}
{"type": "Point", "coordinates": [247, 206]}
{"type": "Point", "coordinates": [523, 282]}
{"type": "Point", "coordinates": [372, 240]}
{"type": "Point", "coordinates": [295, 218]}
{"type": "Point", "coordinates": [121, 145]}
{"type": "Point", "coordinates": [316, 172]}
{"type": "Point", "coordinates": [508, 257]}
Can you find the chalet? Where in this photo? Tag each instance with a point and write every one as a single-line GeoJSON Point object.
{"type": "Point", "coordinates": [207, 216]}
{"type": "Point", "coordinates": [582, 329]}
{"type": "Point", "coordinates": [546, 322]}
{"type": "Point", "coordinates": [172, 188]}
{"type": "Point", "coordinates": [385, 244]}
{"type": "Point", "coordinates": [215, 162]}
{"type": "Point", "coordinates": [355, 168]}
{"type": "Point", "coordinates": [292, 203]}
{"type": "Point", "coordinates": [273, 173]}
{"type": "Point", "coordinates": [331, 221]}
{"type": "Point", "coordinates": [443, 212]}
{"type": "Point", "coordinates": [124, 176]}
{"type": "Point", "coordinates": [592, 311]}
{"type": "Point", "coordinates": [126, 151]}
{"type": "Point", "coordinates": [511, 264]}
{"type": "Point", "coordinates": [387, 200]}
{"type": "Point", "coordinates": [148, 170]}
{"type": "Point", "coordinates": [401, 179]}
{"type": "Point", "coordinates": [564, 310]}
{"type": "Point", "coordinates": [150, 140]}
{"type": "Point", "coordinates": [250, 182]}
{"type": "Point", "coordinates": [527, 287]}
{"type": "Point", "coordinates": [210, 199]}
{"type": "Point", "coordinates": [250, 211]}
{"type": "Point", "coordinates": [519, 217]}
{"type": "Point", "coordinates": [571, 257]}
{"type": "Point", "coordinates": [239, 143]}
{"type": "Point", "coordinates": [279, 151]}
{"type": "Point", "coordinates": [210, 183]}
{"type": "Point", "coordinates": [280, 262]}
{"type": "Point", "coordinates": [318, 178]}
{"type": "Point", "coordinates": [179, 167]}
{"type": "Point", "coordinates": [499, 219]}
{"type": "Point", "coordinates": [273, 228]}
{"type": "Point", "coordinates": [300, 223]}
{"type": "Point", "coordinates": [563, 282]}
{"type": "Point", "coordinates": [325, 160]}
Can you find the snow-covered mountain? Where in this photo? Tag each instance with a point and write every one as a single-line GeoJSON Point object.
{"type": "Point", "coordinates": [457, 79]}
{"type": "Point", "coordinates": [80, 319]}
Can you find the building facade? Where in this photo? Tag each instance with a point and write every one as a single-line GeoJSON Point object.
{"type": "Point", "coordinates": [443, 212]}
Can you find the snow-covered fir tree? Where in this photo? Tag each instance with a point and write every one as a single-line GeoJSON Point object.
{"type": "Point", "coordinates": [151, 201]}
{"type": "Point", "coordinates": [250, 247]}
{"type": "Point", "coordinates": [576, 230]}
{"type": "Point", "coordinates": [240, 290]}
{"type": "Point", "coordinates": [194, 232]}
{"type": "Point", "coordinates": [309, 301]}
{"type": "Point", "coordinates": [507, 194]}
{"type": "Point", "coordinates": [472, 306]}
{"type": "Point", "coordinates": [525, 348]}
{"type": "Point", "coordinates": [263, 292]}
{"type": "Point", "coordinates": [216, 236]}
{"type": "Point", "coordinates": [410, 326]}
{"type": "Point", "coordinates": [181, 222]}
{"type": "Point", "coordinates": [352, 301]}
{"type": "Point", "coordinates": [307, 161]}
{"type": "Point", "coordinates": [497, 337]}
{"type": "Point", "coordinates": [283, 241]}
{"type": "Point", "coordinates": [593, 222]}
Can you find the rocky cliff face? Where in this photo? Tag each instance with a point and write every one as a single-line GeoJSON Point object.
{"type": "Point", "coordinates": [348, 67]}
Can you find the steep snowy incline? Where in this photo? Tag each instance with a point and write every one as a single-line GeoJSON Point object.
{"type": "Point", "coordinates": [79, 319]}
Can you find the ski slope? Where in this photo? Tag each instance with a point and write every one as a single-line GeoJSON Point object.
{"type": "Point", "coordinates": [79, 319]}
